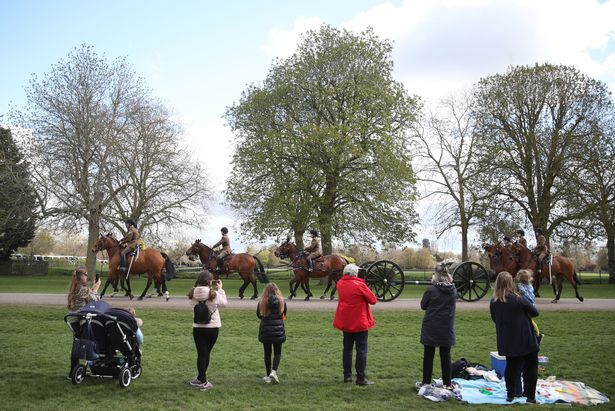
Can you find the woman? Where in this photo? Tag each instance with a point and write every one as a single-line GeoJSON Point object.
{"type": "Point", "coordinates": [272, 312]}
{"type": "Point", "coordinates": [205, 335]}
{"type": "Point", "coordinates": [79, 294]}
{"type": "Point", "coordinates": [516, 338]}
{"type": "Point", "coordinates": [354, 317]}
{"type": "Point", "coordinates": [438, 329]}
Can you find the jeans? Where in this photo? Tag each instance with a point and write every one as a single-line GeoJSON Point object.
{"type": "Point", "coordinates": [445, 362]}
{"type": "Point", "coordinates": [277, 356]}
{"type": "Point", "coordinates": [350, 339]}
{"type": "Point", "coordinates": [204, 340]}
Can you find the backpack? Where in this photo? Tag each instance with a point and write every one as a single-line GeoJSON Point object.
{"type": "Point", "coordinates": [202, 315]}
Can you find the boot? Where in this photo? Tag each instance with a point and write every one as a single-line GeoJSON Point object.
{"type": "Point", "coordinates": [123, 263]}
{"type": "Point", "coordinates": [310, 264]}
{"type": "Point", "coordinates": [220, 264]}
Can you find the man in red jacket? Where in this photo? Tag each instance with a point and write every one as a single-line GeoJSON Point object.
{"type": "Point", "coordinates": [354, 317]}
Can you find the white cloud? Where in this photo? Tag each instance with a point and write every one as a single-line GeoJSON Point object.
{"type": "Point", "coordinates": [282, 43]}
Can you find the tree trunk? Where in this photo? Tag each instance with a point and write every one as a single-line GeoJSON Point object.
{"type": "Point", "coordinates": [464, 241]}
{"type": "Point", "coordinates": [93, 232]}
{"type": "Point", "coordinates": [610, 245]}
{"type": "Point", "coordinates": [325, 233]}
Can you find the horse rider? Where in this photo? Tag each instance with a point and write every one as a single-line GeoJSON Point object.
{"type": "Point", "coordinates": [541, 251]}
{"type": "Point", "coordinates": [226, 248]}
{"type": "Point", "coordinates": [521, 238]}
{"type": "Point", "coordinates": [314, 249]}
{"type": "Point", "coordinates": [129, 242]}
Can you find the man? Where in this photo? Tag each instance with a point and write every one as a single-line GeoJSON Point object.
{"type": "Point", "coordinates": [314, 249]}
{"type": "Point", "coordinates": [541, 250]}
{"type": "Point", "coordinates": [129, 242]}
{"type": "Point", "coordinates": [521, 238]}
{"type": "Point", "coordinates": [226, 248]}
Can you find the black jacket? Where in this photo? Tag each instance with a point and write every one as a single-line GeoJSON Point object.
{"type": "Point", "coordinates": [271, 329]}
{"type": "Point", "coordinates": [439, 303]}
{"type": "Point", "coordinates": [513, 327]}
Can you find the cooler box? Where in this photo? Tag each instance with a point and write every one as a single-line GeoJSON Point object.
{"type": "Point", "coordinates": [498, 363]}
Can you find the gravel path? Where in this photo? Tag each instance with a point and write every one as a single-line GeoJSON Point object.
{"type": "Point", "coordinates": [400, 304]}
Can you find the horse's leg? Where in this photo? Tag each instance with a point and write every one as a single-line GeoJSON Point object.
{"type": "Point", "coordinates": [105, 287]}
{"type": "Point", "coordinates": [558, 291]}
{"type": "Point", "coordinates": [334, 290]}
{"type": "Point", "coordinates": [537, 285]}
{"type": "Point", "coordinates": [305, 285]}
{"type": "Point", "coordinates": [290, 286]}
{"type": "Point", "coordinates": [324, 293]}
{"type": "Point", "coordinates": [165, 291]}
{"type": "Point", "coordinates": [253, 281]}
{"type": "Point", "coordinates": [129, 289]}
{"type": "Point", "coordinates": [243, 288]}
{"type": "Point", "coordinates": [124, 286]}
{"type": "Point", "coordinates": [572, 279]}
{"type": "Point", "coordinates": [147, 286]}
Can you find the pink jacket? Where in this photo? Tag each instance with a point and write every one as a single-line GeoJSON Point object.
{"type": "Point", "coordinates": [201, 294]}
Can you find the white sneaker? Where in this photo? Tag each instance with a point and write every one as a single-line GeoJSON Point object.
{"type": "Point", "coordinates": [267, 379]}
{"type": "Point", "coordinates": [274, 377]}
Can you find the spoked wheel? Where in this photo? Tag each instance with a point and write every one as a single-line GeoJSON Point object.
{"type": "Point", "coordinates": [385, 279]}
{"type": "Point", "coordinates": [77, 374]}
{"type": "Point", "coordinates": [471, 280]}
{"type": "Point", "coordinates": [136, 371]}
{"type": "Point", "coordinates": [124, 376]}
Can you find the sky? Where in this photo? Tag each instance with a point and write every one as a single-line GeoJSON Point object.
{"type": "Point", "coordinates": [198, 56]}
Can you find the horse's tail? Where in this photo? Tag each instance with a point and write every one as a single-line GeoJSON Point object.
{"type": "Point", "coordinates": [576, 278]}
{"type": "Point", "coordinates": [168, 267]}
{"type": "Point", "coordinates": [260, 274]}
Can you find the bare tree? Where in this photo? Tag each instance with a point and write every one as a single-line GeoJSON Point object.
{"type": "Point", "coordinates": [450, 169]}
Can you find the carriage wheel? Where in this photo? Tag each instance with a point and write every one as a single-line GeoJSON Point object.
{"type": "Point", "coordinates": [471, 280]}
{"type": "Point", "coordinates": [124, 376]}
{"type": "Point", "coordinates": [77, 375]}
{"type": "Point", "coordinates": [385, 279]}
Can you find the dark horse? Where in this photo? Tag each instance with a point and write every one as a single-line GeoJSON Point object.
{"type": "Point", "coordinates": [514, 257]}
{"type": "Point", "coordinates": [330, 266]}
{"type": "Point", "coordinates": [243, 263]}
{"type": "Point", "coordinates": [150, 261]}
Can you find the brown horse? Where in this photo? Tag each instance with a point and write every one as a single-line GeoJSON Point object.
{"type": "Point", "coordinates": [243, 263]}
{"type": "Point", "coordinates": [330, 266]}
{"type": "Point", "coordinates": [514, 257]}
{"type": "Point", "coordinates": [150, 261]}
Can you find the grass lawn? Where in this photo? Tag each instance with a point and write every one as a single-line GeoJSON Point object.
{"type": "Point", "coordinates": [35, 345]}
{"type": "Point", "coordinates": [58, 284]}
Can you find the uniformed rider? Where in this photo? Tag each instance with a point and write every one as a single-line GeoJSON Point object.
{"type": "Point", "coordinates": [314, 250]}
{"type": "Point", "coordinates": [521, 238]}
{"type": "Point", "coordinates": [541, 251]}
{"type": "Point", "coordinates": [226, 248]}
{"type": "Point", "coordinates": [129, 242]}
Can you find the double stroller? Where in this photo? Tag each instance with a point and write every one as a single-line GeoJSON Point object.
{"type": "Point", "coordinates": [104, 342]}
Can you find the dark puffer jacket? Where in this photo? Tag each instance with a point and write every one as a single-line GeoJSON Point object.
{"type": "Point", "coordinates": [439, 303]}
{"type": "Point", "coordinates": [271, 329]}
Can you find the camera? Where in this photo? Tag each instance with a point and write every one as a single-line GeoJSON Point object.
{"type": "Point", "coordinates": [97, 277]}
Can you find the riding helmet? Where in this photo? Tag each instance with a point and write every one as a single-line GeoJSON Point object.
{"type": "Point", "coordinates": [131, 221]}
{"type": "Point", "coordinates": [224, 230]}
{"type": "Point", "coordinates": [521, 232]}
{"type": "Point", "coordinates": [314, 233]}
{"type": "Point", "coordinates": [538, 231]}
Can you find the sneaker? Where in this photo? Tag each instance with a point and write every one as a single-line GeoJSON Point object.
{"type": "Point", "coordinates": [420, 384]}
{"type": "Point", "coordinates": [347, 379]}
{"type": "Point", "coordinates": [274, 377]}
{"type": "Point", "coordinates": [267, 379]}
{"type": "Point", "coordinates": [365, 381]}
{"type": "Point", "coordinates": [207, 386]}
{"type": "Point", "coordinates": [195, 382]}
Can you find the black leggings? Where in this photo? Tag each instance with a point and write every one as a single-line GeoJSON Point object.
{"type": "Point", "coordinates": [277, 356]}
{"type": "Point", "coordinates": [515, 366]}
{"type": "Point", "coordinates": [445, 362]}
{"type": "Point", "coordinates": [204, 340]}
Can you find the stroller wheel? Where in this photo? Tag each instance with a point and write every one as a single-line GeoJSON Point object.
{"type": "Point", "coordinates": [77, 375]}
{"type": "Point", "coordinates": [124, 376]}
{"type": "Point", "coordinates": [136, 371]}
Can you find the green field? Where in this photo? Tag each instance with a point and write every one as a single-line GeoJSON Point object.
{"type": "Point", "coordinates": [35, 345]}
{"type": "Point", "coordinates": [58, 284]}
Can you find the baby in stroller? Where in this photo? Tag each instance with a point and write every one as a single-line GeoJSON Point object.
{"type": "Point", "coordinates": [105, 341]}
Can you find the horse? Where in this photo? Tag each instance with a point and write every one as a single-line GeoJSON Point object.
{"type": "Point", "coordinates": [150, 261]}
{"type": "Point", "coordinates": [330, 266]}
{"type": "Point", "coordinates": [242, 263]}
{"type": "Point", "coordinates": [514, 257]}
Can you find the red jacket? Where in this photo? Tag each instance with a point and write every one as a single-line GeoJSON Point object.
{"type": "Point", "coordinates": [353, 313]}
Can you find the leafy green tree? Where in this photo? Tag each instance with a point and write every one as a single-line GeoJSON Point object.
{"type": "Point", "coordinates": [538, 125]}
{"type": "Point", "coordinates": [18, 211]}
{"type": "Point", "coordinates": [323, 143]}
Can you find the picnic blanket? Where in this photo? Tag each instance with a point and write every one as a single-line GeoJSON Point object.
{"type": "Point", "coordinates": [548, 391]}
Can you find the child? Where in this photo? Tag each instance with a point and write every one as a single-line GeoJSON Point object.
{"type": "Point", "coordinates": [527, 290]}
{"type": "Point", "coordinates": [438, 329]}
{"type": "Point", "coordinates": [139, 321]}
{"type": "Point", "coordinates": [271, 310]}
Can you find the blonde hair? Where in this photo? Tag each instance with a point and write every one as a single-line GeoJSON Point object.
{"type": "Point", "coordinates": [441, 275]}
{"type": "Point", "coordinates": [524, 276]}
{"type": "Point", "coordinates": [263, 304]}
{"type": "Point", "coordinates": [204, 280]}
{"type": "Point", "coordinates": [504, 286]}
{"type": "Point", "coordinates": [78, 280]}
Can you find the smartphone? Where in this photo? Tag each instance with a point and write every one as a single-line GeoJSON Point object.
{"type": "Point", "coordinates": [97, 277]}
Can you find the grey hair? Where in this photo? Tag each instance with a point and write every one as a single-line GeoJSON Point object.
{"type": "Point", "coordinates": [351, 270]}
{"type": "Point", "coordinates": [441, 275]}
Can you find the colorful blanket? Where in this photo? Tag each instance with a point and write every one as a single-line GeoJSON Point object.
{"type": "Point", "coordinates": [548, 391]}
